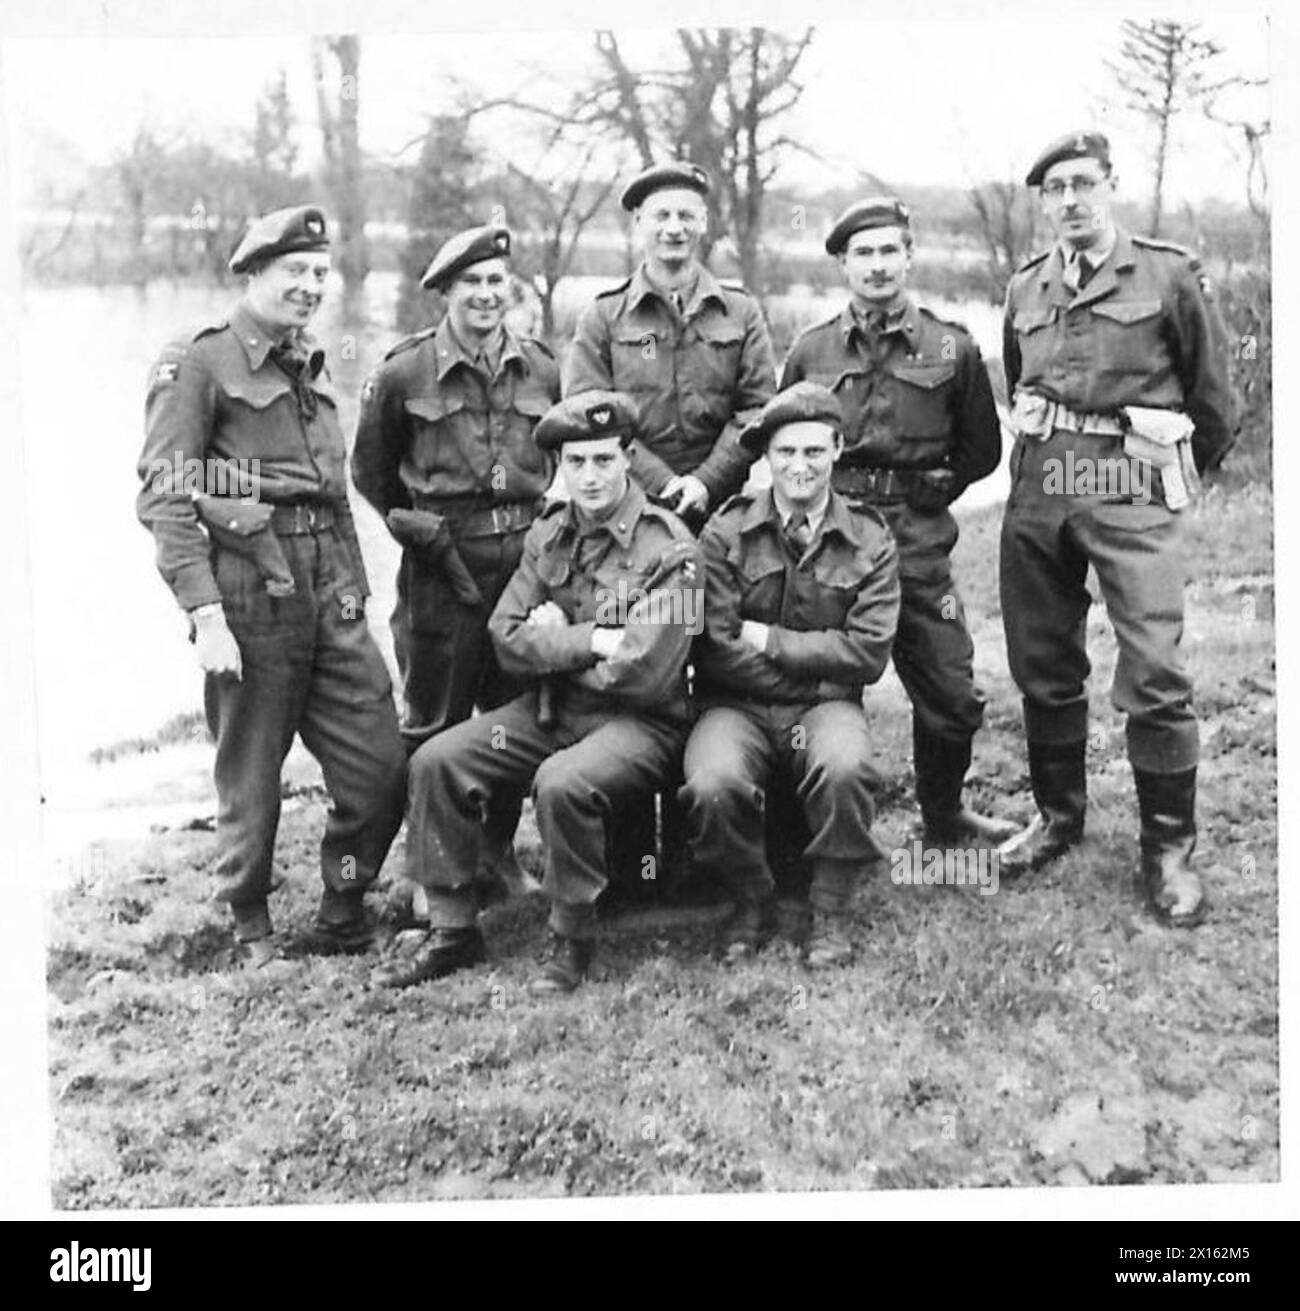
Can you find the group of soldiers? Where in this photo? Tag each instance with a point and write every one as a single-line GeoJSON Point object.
{"type": "Point", "coordinates": [589, 564]}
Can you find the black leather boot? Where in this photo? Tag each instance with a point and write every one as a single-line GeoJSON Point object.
{"type": "Point", "coordinates": [567, 963]}
{"type": "Point", "coordinates": [1167, 806]}
{"type": "Point", "coordinates": [941, 766]}
{"type": "Point", "coordinates": [1058, 774]}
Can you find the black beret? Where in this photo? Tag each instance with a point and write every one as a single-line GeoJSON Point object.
{"type": "Point", "coordinates": [1074, 145]}
{"type": "Point", "coordinates": [587, 417]}
{"type": "Point", "coordinates": [680, 174]}
{"type": "Point", "coordinates": [470, 247]}
{"type": "Point", "coordinates": [877, 212]}
{"type": "Point", "coordinates": [803, 402]}
{"type": "Point", "coordinates": [282, 232]}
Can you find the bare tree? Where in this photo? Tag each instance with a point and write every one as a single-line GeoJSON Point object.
{"type": "Point", "coordinates": [1005, 215]}
{"type": "Point", "coordinates": [718, 103]}
{"type": "Point", "coordinates": [338, 110]}
{"type": "Point", "coordinates": [1162, 68]}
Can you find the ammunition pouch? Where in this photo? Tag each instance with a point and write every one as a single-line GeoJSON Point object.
{"type": "Point", "coordinates": [245, 527]}
{"type": "Point", "coordinates": [1163, 439]}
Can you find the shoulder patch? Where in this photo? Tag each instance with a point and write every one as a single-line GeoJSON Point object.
{"type": "Point", "coordinates": [616, 290]}
{"type": "Point", "coordinates": [165, 371]}
{"type": "Point", "coordinates": [409, 343]}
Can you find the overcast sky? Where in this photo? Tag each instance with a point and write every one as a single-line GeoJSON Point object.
{"type": "Point", "coordinates": [959, 93]}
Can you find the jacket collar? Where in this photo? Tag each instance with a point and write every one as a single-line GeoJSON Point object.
{"type": "Point", "coordinates": [1105, 280]}
{"type": "Point", "coordinates": [837, 519]}
{"type": "Point", "coordinates": [449, 351]}
{"type": "Point", "coordinates": [905, 319]}
{"type": "Point", "coordinates": [620, 525]}
{"type": "Point", "coordinates": [707, 288]}
{"type": "Point", "coordinates": [258, 343]}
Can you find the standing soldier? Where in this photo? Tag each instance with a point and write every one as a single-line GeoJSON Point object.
{"type": "Point", "coordinates": [800, 610]}
{"type": "Point", "coordinates": [602, 607]}
{"type": "Point", "coordinates": [1115, 357]}
{"type": "Point", "coordinates": [920, 426]}
{"type": "Point", "coordinates": [692, 352]}
{"type": "Point", "coordinates": [275, 587]}
{"type": "Point", "coordinates": [445, 453]}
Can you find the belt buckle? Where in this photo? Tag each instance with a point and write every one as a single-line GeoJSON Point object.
{"type": "Point", "coordinates": [309, 513]}
{"type": "Point", "coordinates": [500, 519]}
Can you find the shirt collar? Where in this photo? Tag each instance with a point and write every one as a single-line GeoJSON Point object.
{"type": "Point", "coordinates": [834, 517]}
{"type": "Point", "coordinates": [814, 516]}
{"type": "Point", "coordinates": [707, 288]}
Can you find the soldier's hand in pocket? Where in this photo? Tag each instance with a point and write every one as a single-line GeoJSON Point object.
{"type": "Point", "coordinates": [217, 648]}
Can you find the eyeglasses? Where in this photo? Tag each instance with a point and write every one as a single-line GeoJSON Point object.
{"type": "Point", "coordinates": [1082, 187]}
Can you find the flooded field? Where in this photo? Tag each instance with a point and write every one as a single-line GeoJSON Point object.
{"type": "Point", "coordinates": [112, 659]}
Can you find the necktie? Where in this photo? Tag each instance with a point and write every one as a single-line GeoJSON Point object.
{"type": "Point", "coordinates": [301, 369]}
{"type": "Point", "coordinates": [798, 531]}
{"type": "Point", "coordinates": [679, 304]}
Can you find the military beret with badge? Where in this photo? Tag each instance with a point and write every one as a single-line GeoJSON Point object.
{"type": "Point", "coordinates": [587, 417]}
{"type": "Point", "coordinates": [662, 177]}
{"type": "Point", "coordinates": [1074, 145]}
{"type": "Point", "coordinates": [804, 402]}
{"type": "Point", "coordinates": [282, 232]}
{"type": "Point", "coordinates": [472, 246]}
{"type": "Point", "coordinates": [874, 212]}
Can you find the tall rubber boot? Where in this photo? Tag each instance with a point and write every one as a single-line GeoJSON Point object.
{"type": "Point", "coordinates": [1167, 806]}
{"type": "Point", "coordinates": [941, 766]}
{"type": "Point", "coordinates": [1058, 774]}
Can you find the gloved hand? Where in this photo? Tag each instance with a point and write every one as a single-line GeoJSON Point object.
{"type": "Point", "coordinates": [218, 651]}
{"type": "Point", "coordinates": [932, 490]}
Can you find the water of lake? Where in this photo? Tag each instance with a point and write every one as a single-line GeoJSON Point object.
{"type": "Point", "coordinates": [112, 659]}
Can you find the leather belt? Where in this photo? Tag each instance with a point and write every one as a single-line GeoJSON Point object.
{"type": "Point", "coordinates": [302, 517]}
{"type": "Point", "coordinates": [483, 520]}
{"type": "Point", "coordinates": [879, 484]}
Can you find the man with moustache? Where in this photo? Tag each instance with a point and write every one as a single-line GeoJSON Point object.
{"type": "Point", "coordinates": [801, 606]}
{"type": "Point", "coordinates": [445, 453]}
{"type": "Point", "coordinates": [607, 724]}
{"type": "Point", "coordinates": [691, 351]}
{"type": "Point", "coordinates": [275, 587]}
{"type": "Point", "coordinates": [920, 426]}
{"type": "Point", "coordinates": [1114, 350]}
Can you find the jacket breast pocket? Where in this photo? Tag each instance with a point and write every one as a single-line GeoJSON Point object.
{"type": "Point", "coordinates": [640, 358]}
{"type": "Point", "coordinates": [838, 585]}
{"type": "Point", "coordinates": [527, 407]}
{"type": "Point", "coordinates": [1128, 336]}
{"type": "Point", "coordinates": [714, 363]}
{"type": "Point", "coordinates": [439, 425]}
{"type": "Point", "coordinates": [259, 418]}
{"type": "Point", "coordinates": [760, 578]}
{"type": "Point", "coordinates": [921, 400]}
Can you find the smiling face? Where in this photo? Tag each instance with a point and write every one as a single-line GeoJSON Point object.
{"type": "Point", "coordinates": [1076, 195]}
{"type": "Point", "coordinates": [802, 456]}
{"type": "Point", "coordinates": [595, 474]}
{"type": "Point", "coordinates": [876, 262]}
{"type": "Point", "coordinates": [477, 298]}
{"type": "Point", "coordinates": [286, 291]}
{"type": "Point", "coordinates": [669, 226]}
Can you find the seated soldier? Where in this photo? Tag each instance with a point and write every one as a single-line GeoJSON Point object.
{"type": "Point", "coordinates": [801, 603]}
{"type": "Point", "coordinates": [602, 608]}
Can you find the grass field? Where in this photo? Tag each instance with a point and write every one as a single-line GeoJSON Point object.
{"type": "Point", "coordinates": [1050, 1034]}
